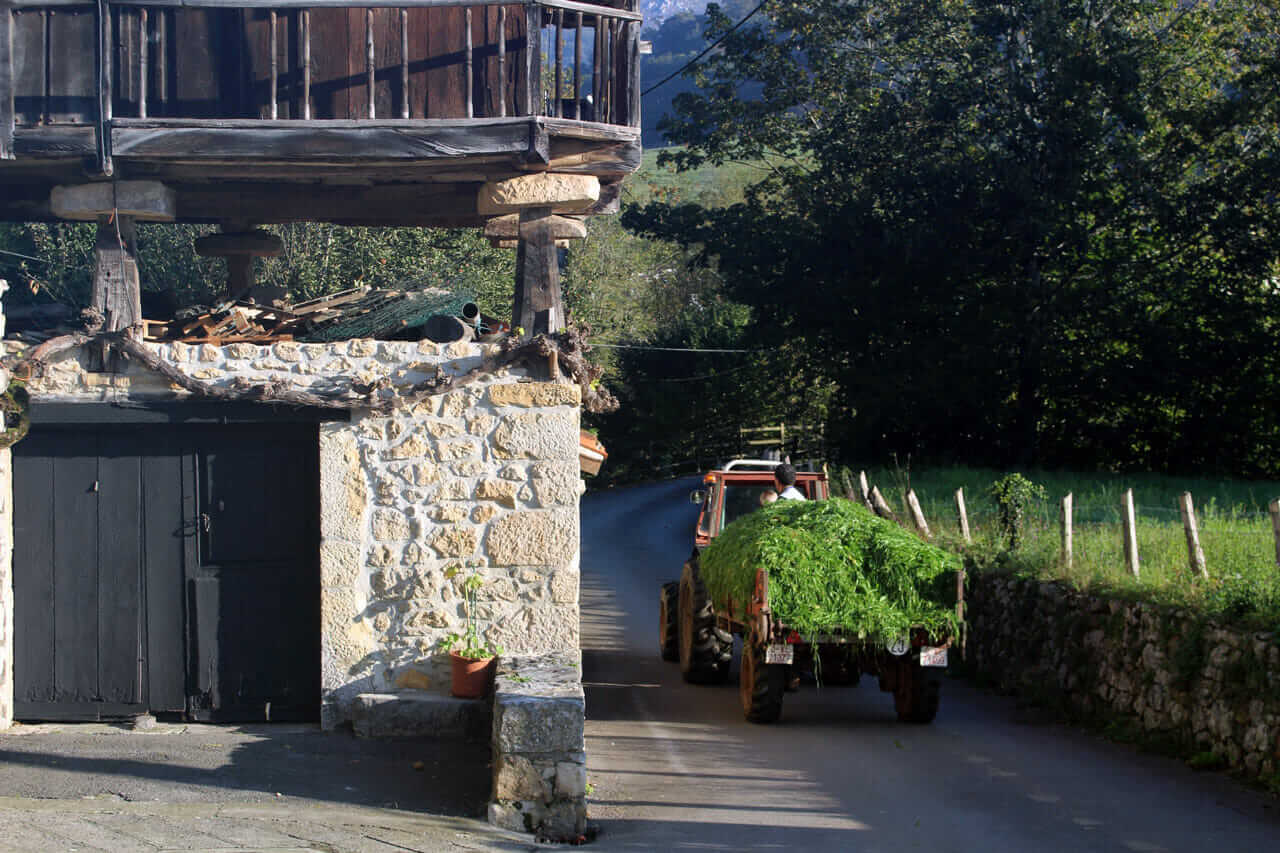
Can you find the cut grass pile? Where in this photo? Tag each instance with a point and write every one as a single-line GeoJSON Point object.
{"type": "Point", "coordinates": [832, 564]}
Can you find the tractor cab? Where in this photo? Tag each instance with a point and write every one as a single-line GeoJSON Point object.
{"type": "Point", "coordinates": [735, 489]}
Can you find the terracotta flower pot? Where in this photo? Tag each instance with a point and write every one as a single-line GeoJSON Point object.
{"type": "Point", "coordinates": [470, 677]}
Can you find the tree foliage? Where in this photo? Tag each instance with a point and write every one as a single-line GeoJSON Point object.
{"type": "Point", "coordinates": [1042, 230]}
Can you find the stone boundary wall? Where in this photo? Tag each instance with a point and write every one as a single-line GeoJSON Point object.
{"type": "Point", "coordinates": [482, 480]}
{"type": "Point", "coordinates": [1208, 688]}
{"type": "Point", "coordinates": [539, 758]}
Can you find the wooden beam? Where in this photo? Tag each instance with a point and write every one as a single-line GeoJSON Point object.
{"type": "Point", "coordinates": [366, 143]}
{"type": "Point", "coordinates": [55, 143]}
{"type": "Point", "coordinates": [536, 308]}
{"type": "Point", "coordinates": [257, 244]}
{"type": "Point", "coordinates": [508, 228]}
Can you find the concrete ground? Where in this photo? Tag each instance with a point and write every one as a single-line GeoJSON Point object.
{"type": "Point", "coordinates": [223, 788]}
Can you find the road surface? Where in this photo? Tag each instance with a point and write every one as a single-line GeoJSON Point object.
{"type": "Point", "coordinates": [675, 767]}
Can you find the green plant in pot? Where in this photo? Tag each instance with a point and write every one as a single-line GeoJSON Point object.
{"type": "Point", "coordinates": [471, 658]}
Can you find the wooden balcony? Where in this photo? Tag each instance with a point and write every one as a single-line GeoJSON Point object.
{"type": "Point", "coordinates": [379, 112]}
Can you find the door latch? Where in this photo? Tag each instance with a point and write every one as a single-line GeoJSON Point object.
{"type": "Point", "coordinates": [204, 521]}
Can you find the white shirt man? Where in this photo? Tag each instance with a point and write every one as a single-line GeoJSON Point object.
{"type": "Point", "coordinates": [784, 480]}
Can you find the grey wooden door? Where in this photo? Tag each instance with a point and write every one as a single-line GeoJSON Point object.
{"type": "Point", "coordinates": [97, 537]}
{"type": "Point", "coordinates": [168, 569]}
{"type": "Point", "coordinates": [253, 575]}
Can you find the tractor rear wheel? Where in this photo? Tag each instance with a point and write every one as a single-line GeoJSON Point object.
{"type": "Point", "coordinates": [668, 621]}
{"type": "Point", "coordinates": [760, 684]}
{"type": "Point", "coordinates": [705, 650]}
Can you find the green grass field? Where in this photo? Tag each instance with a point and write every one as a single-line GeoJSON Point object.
{"type": "Point", "coordinates": [1235, 533]}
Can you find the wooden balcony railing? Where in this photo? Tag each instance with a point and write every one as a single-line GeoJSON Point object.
{"type": "Point", "coordinates": [68, 62]}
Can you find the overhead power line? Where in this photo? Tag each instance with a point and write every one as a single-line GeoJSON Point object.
{"type": "Point", "coordinates": [709, 48]}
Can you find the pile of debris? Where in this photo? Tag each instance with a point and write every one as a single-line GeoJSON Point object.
{"type": "Point", "coordinates": [362, 312]}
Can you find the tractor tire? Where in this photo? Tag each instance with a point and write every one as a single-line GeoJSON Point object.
{"type": "Point", "coordinates": [705, 650]}
{"type": "Point", "coordinates": [761, 685]}
{"type": "Point", "coordinates": [915, 697]}
{"type": "Point", "coordinates": [669, 621]}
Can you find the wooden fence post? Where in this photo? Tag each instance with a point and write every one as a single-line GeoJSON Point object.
{"type": "Point", "coordinates": [964, 516]}
{"type": "Point", "coordinates": [881, 506]}
{"type": "Point", "coordinates": [865, 490]}
{"type": "Point", "coordinates": [1130, 532]}
{"type": "Point", "coordinates": [1195, 554]}
{"type": "Point", "coordinates": [1067, 511]}
{"type": "Point", "coordinates": [917, 515]}
{"type": "Point", "coordinates": [1274, 508]}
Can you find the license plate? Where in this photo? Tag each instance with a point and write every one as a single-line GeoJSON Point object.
{"type": "Point", "coordinates": [779, 653]}
{"type": "Point", "coordinates": [933, 657]}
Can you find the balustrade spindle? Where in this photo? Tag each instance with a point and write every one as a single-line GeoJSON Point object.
{"type": "Point", "coordinates": [404, 63]}
{"type": "Point", "coordinates": [142, 62]}
{"type": "Point", "coordinates": [275, 70]}
{"type": "Point", "coordinates": [368, 60]}
{"type": "Point", "coordinates": [467, 63]}
{"type": "Point", "coordinates": [162, 60]}
{"type": "Point", "coordinates": [597, 70]}
{"type": "Point", "coordinates": [559, 100]}
{"type": "Point", "coordinates": [606, 83]}
{"type": "Point", "coordinates": [502, 61]}
{"type": "Point", "coordinates": [577, 66]}
{"type": "Point", "coordinates": [306, 64]}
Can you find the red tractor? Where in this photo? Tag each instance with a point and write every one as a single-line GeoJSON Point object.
{"type": "Point", "coordinates": [699, 632]}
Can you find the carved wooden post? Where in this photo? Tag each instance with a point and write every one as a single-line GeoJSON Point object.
{"type": "Point", "coordinates": [537, 308]}
{"type": "Point", "coordinates": [238, 244]}
{"type": "Point", "coordinates": [117, 295]}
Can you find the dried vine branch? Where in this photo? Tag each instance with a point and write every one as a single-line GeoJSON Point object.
{"type": "Point", "coordinates": [567, 347]}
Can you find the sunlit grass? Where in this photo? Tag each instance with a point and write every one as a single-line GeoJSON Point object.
{"type": "Point", "coordinates": [1235, 534]}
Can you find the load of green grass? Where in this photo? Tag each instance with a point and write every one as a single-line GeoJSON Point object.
{"type": "Point", "coordinates": [832, 564]}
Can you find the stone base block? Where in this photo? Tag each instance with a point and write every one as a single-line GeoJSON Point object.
{"type": "Point", "coordinates": [420, 713]}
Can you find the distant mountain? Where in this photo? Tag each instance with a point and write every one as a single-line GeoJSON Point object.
{"type": "Point", "coordinates": [675, 29]}
{"type": "Point", "coordinates": [657, 11]}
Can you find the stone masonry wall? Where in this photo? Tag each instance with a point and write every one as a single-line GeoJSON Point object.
{"type": "Point", "coordinates": [539, 758]}
{"type": "Point", "coordinates": [482, 480]}
{"type": "Point", "coordinates": [1208, 688]}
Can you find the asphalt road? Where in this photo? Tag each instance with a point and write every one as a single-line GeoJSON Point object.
{"type": "Point", "coordinates": [675, 767]}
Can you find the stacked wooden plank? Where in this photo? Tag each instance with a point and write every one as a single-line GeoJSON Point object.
{"type": "Point", "coordinates": [230, 323]}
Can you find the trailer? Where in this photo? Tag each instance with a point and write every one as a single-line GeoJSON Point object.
{"type": "Point", "coordinates": [699, 633]}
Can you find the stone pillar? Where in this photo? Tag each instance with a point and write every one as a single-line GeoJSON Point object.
{"type": "Point", "coordinates": [6, 587]}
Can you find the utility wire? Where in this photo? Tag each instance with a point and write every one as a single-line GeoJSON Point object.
{"type": "Point", "coordinates": [710, 47]}
{"type": "Point", "coordinates": [666, 349]}
{"type": "Point", "coordinates": [20, 255]}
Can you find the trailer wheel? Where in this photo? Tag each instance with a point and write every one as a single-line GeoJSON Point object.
{"type": "Point", "coordinates": [916, 695]}
{"type": "Point", "coordinates": [705, 650]}
{"type": "Point", "coordinates": [760, 684]}
{"type": "Point", "coordinates": [668, 621]}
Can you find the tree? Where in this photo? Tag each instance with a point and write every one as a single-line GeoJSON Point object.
{"type": "Point", "coordinates": [1003, 224]}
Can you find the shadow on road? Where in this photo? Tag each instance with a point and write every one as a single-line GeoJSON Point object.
{"type": "Point", "coordinates": [208, 763]}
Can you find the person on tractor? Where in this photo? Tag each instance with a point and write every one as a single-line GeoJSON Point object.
{"type": "Point", "coordinates": [784, 480]}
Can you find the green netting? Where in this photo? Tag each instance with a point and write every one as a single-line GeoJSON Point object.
{"type": "Point", "coordinates": [385, 313]}
{"type": "Point", "coordinates": [834, 565]}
